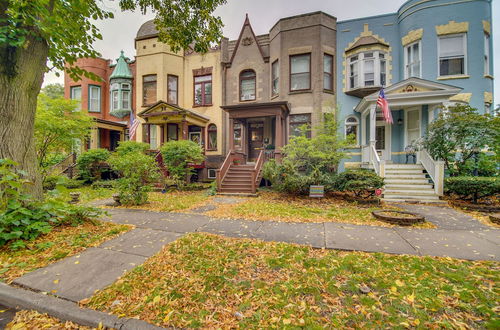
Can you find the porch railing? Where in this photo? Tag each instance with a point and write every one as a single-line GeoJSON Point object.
{"type": "Point", "coordinates": [435, 169]}
{"type": "Point", "coordinates": [66, 166]}
{"type": "Point", "coordinates": [222, 171]}
{"type": "Point", "coordinates": [365, 154]}
{"type": "Point", "coordinates": [378, 165]}
{"type": "Point", "coordinates": [257, 171]}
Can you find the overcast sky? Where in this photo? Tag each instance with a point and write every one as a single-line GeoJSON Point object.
{"type": "Point", "coordinates": [120, 32]}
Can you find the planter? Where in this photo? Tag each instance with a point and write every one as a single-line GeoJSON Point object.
{"type": "Point", "coordinates": [116, 198]}
{"type": "Point", "coordinates": [75, 197]}
{"type": "Point", "coordinates": [401, 218]}
{"type": "Point", "coordinates": [488, 208]}
{"type": "Point", "coordinates": [495, 218]}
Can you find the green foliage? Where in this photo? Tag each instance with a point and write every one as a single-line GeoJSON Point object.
{"type": "Point", "coordinates": [138, 174]}
{"type": "Point", "coordinates": [178, 155]}
{"type": "Point", "coordinates": [472, 187]}
{"type": "Point", "coordinates": [52, 181]}
{"type": "Point", "coordinates": [69, 30]}
{"type": "Point", "coordinates": [90, 164]}
{"type": "Point", "coordinates": [22, 218]}
{"type": "Point", "coordinates": [53, 91]}
{"type": "Point", "coordinates": [126, 147]}
{"type": "Point", "coordinates": [361, 182]}
{"type": "Point", "coordinates": [58, 124]}
{"type": "Point", "coordinates": [458, 133]}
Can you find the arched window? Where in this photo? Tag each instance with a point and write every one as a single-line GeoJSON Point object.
{"type": "Point", "coordinates": [212, 137]}
{"type": "Point", "coordinates": [351, 127]}
{"type": "Point", "coordinates": [247, 85]}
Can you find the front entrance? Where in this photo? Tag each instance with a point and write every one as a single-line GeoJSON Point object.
{"type": "Point", "coordinates": [256, 139]}
{"type": "Point", "coordinates": [383, 140]}
{"type": "Point", "coordinates": [114, 139]}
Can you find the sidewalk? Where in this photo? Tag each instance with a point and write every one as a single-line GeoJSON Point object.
{"type": "Point", "coordinates": [77, 277]}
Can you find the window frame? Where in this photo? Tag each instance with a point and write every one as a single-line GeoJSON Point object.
{"type": "Point", "coordinates": [211, 129]}
{"type": "Point", "coordinates": [273, 78]}
{"type": "Point", "coordinates": [299, 123]}
{"type": "Point", "coordinates": [407, 62]}
{"type": "Point", "coordinates": [291, 74]}
{"type": "Point", "coordinates": [356, 124]}
{"type": "Point", "coordinates": [487, 51]}
{"type": "Point", "coordinates": [360, 64]}
{"type": "Point", "coordinates": [330, 73]}
{"type": "Point", "coordinates": [203, 83]}
{"type": "Point", "coordinates": [241, 79]}
{"type": "Point", "coordinates": [176, 89]}
{"type": "Point", "coordinates": [464, 50]}
{"type": "Point", "coordinates": [71, 89]}
{"type": "Point", "coordinates": [89, 98]}
{"type": "Point", "coordinates": [144, 104]}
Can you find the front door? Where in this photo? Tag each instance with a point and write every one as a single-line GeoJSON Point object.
{"type": "Point", "coordinates": [256, 139]}
{"type": "Point", "coordinates": [114, 139]}
{"type": "Point", "coordinates": [383, 140]}
{"type": "Point", "coordinates": [412, 126]}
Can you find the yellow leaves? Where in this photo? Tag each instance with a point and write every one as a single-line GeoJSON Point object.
{"type": "Point", "coordinates": [19, 326]}
{"type": "Point", "coordinates": [399, 283]}
{"type": "Point", "coordinates": [77, 262]}
{"type": "Point", "coordinates": [56, 281]}
{"type": "Point", "coordinates": [287, 321]}
{"type": "Point", "coordinates": [394, 289]}
{"type": "Point", "coordinates": [156, 300]}
{"type": "Point", "coordinates": [410, 298]}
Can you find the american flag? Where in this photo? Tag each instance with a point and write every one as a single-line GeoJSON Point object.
{"type": "Point", "coordinates": [134, 123]}
{"type": "Point", "coordinates": [384, 106]}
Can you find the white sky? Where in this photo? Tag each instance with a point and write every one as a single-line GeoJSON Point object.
{"type": "Point", "coordinates": [119, 33]}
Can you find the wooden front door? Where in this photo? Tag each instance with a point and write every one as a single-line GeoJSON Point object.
{"type": "Point", "coordinates": [256, 139]}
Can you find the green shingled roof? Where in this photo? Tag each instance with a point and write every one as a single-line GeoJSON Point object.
{"type": "Point", "coordinates": [121, 68]}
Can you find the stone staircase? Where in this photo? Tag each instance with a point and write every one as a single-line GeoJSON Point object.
{"type": "Point", "coordinates": [238, 180]}
{"type": "Point", "coordinates": [408, 183]}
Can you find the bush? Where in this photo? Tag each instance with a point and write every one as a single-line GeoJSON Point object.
{"type": "Point", "coordinates": [51, 182]}
{"type": "Point", "coordinates": [361, 182]}
{"type": "Point", "coordinates": [23, 218]}
{"type": "Point", "coordinates": [178, 156]}
{"type": "Point", "coordinates": [91, 164]}
{"type": "Point", "coordinates": [472, 187]}
{"type": "Point", "coordinates": [138, 173]}
{"type": "Point", "coordinates": [126, 147]}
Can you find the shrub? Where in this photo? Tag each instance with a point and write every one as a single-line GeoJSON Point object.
{"type": "Point", "coordinates": [361, 182]}
{"type": "Point", "coordinates": [92, 163]}
{"type": "Point", "coordinates": [51, 182]}
{"type": "Point", "coordinates": [138, 173]}
{"type": "Point", "coordinates": [23, 218]}
{"type": "Point", "coordinates": [126, 147]}
{"type": "Point", "coordinates": [472, 187]}
{"type": "Point", "coordinates": [178, 156]}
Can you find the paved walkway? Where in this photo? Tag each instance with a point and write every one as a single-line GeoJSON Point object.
{"type": "Point", "coordinates": [77, 277]}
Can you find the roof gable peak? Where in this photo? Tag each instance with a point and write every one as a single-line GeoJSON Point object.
{"type": "Point", "coordinates": [248, 40]}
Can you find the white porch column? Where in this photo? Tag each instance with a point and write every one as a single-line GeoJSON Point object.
{"type": "Point", "coordinates": [373, 123]}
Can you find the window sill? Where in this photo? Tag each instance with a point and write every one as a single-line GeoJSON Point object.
{"type": "Point", "coordinates": [94, 111]}
{"type": "Point", "coordinates": [252, 100]}
{"type": "Point", "coordinates": [300, 91]}
{"type": "Point", "coordinates": [274, 96]}
{"type": "Point", "coordinates": [460, 76]}
{"type": "Point", "coordinates": [489, 76]}
{"type": "Point", "coordinates": [329, 91]}
{"type": "Point", "coordinates": [202, 105]}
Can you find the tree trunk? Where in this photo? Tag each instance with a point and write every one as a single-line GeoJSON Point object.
{"type": "Point", "coordinates": [21, 77]}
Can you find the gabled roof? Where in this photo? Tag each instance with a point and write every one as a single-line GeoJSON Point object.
{"type": "Point", "coordinates": [121, 68]}
{"type": "Point", "coordinates": [162, 108]}
{"type": "Point", "coordinates": [238, 42]}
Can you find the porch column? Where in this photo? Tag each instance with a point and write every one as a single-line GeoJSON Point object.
{"type": "Point", "coordinates": [94, 138]}
{"type": "Point", "coordinates": [184, 130]}
{"type": "Point", "coordinates": [373, 123]}
{"type": "Point", "coordinates": [231, 134]}
{"type": "Point", "coordinates": [279, 137]}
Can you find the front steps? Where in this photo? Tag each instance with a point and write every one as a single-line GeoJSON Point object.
{"type": "Point", "coordinates": [238, 180]}
{"type": "Point", "coordinates": [408, 183]}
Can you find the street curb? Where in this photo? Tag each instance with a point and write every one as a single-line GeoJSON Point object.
{"type": "Point", "coordinates": [66, 310]}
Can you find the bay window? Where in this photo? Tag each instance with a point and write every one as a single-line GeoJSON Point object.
{"type": "Point", "coordinates": [452, 55]}
{"type": "Point", "coordinates": [412, 56]}
{"type": "Point", "coordinates": [172, 89]}
{"type": "Point", "coordinates": [275, 78]}
{"type": "Point", "coordinates": [148, 89]}
{"type": "Point", "coordinates": [300, 72]}
{"type": "Point", "coordinates": [328, 72]}
{"type": "Point", "coordinates": [76, 95]}
{"type": "Point", "coordinates": [94, 98]}
{"type": "Point", "coordinates": [367, 69]}
{"type": "Point", "coordinates": [300, 124]}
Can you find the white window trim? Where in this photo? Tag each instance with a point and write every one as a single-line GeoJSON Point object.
{"type": "Point", "coordinates": [353, 124]}
{"type": "Point", "coordinates": [361, 72]}
{"type": "Point", "coordinates": [487, 59]}
{"type": "Point", "coordinates": [464, 48]}
{"type": "Point", "coordinates": [98, 98]}
{"type": "Point", "coordinates": [214, 176]}
{"type": "Point", "coordinates": [405, 52]}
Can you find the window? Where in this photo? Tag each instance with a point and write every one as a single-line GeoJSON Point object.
{"type": "Point", "coordinates": [203, 90]}
{"type": "Point", "coordinates": [212, 173]}
{"type": "Point", "coordinates": [76, 94]}
{"type": "Point", "coordinates": [148, 89]}
{"type": "Point", "coordinates": [367, 69]}
{"type": "Point", "coordinates": [172, 132]}
{"type": "Point", "coordinates": [300, 72]}
{"type": "Point", "coordinates": [237, 137]}
{"type": "Point", "coordinates": [452, 50]}
{"type": "Point", "coordinates": [94, 98]}
{"type": "Point", "coordinates": [486, 54]}
{"type": "Point", "coordinates": [247, 85]}
{"type": "Point", "coordinates": [275, 78]}
{"type": "Point", "coordinates": [153, 137]}
{"type": "Point", "coordinates": [412, 60]}
{"type": "Point", "coordinates": [351, 127]}
{"type": "Point", "coordinates": [328, 72]}
{"type": "Point", "coordinates": [300, 124]}
{"type": "Point", "coordinates": [212, 137]}
{"type": "Point", "coordinates": [172, 89]}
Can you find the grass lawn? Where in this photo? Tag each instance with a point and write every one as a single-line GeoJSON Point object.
{"type": "Point", "coordinates": [286, 208]}
{"type": "Point", "coordinates": [61, 242]}
{"type": "Point", "coordinates": [173, 201]}
{"type": "Point", "coordinates": [204, 280]}
{"type": "Point", "coordinates": [88, 193]}
{"type": "Point", "coordinates": [33, 320]}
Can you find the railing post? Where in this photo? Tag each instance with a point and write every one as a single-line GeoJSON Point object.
{"type": "Point", "coordinates": [439, 174]}
{"type": "Point", "coordinates": [382, 168]}
{"type": "Point", "coordinates": [254, 189]}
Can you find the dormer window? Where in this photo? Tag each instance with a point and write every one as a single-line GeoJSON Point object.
{"type": "Point", "coordinates": [367, 69]}
{"type": "Point", "coordinates": [247, 85]}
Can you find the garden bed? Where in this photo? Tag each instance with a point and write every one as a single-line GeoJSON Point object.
{"type": "Point", "coordinates": [209, 281]}
{"type": "Point", "coordinates": [479, 207]}
{"type": "Point", "coordinates": [401, 218]}
{"type": "Point", "coordinates": [26, 319]}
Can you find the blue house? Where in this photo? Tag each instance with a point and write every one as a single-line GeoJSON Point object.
{"type": "Point", "coordinates": [428, 55]}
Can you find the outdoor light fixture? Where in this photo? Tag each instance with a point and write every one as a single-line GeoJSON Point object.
{"type": "Point", "coordinates": [400, 121]}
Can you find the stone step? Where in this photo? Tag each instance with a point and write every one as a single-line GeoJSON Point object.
{"type": "Point", "coordinates": [406, 181]}
{"type": "Point", "coordinates": [406, 185]}
{"type": "Point", "coordinates": [423, 200]}
{"type": "Point", "coordinates": [404, 176]}
{"type": "Point", "coordinates": [404, 166]}
{"type": "Point", "coordinates": [411, 197]}
{"type": "Point", "coordinates": [417, 192]}
{"type": "Point", "coordinates": [394, 171]}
